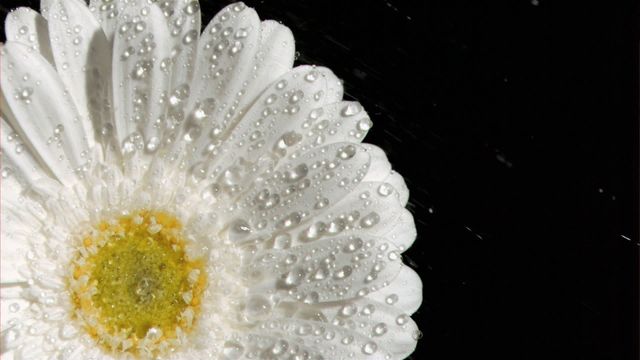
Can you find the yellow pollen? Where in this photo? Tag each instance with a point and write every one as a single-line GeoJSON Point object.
{"type": "Point", "coordinates": [133, 285]}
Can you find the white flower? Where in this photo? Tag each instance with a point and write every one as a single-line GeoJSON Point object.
{"type": "Point", "coordinates": [171, 194]}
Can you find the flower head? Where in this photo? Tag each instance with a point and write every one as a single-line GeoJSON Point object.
{"type": "Point", "coordinates": [171, 193]}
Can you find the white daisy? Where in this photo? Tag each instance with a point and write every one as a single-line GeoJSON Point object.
{"type": "Point", "coordinates": [174, 194]}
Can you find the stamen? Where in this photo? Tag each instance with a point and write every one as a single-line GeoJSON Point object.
{"type": "Point", "coordinates": [133, 284]}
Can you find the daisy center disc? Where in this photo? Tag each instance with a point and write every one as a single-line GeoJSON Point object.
{"type": "Point", "coordinates": [134, 286]}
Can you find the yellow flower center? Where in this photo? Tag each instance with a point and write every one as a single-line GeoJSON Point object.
{"type": "Point", "coordinates": [134, 286]}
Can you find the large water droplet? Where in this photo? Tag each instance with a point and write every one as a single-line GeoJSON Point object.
{"type": "Point", "coordinates": [351, 109]}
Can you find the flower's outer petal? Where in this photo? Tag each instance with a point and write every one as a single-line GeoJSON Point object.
{"type": "Point", "coordinates": [343, 121]}
{"type": "Point", "coordinates": [45, 6]}
{"type": "Point", "coordinates": [46, 117]}
{"type": "Point", "coordinates": [184, 20]}
{"type": "Point", "coordinates": [274, 58]}
{"type": "Point", "coordinates": [20, 164]}
{"type": "Point", "coordinates": [334, 269]}
{"type": "Point", "coordinates": [386, 324]}
{"type": "Point", "coordinates": [405, 291]}
{"type": "Point", "coordinates": [28, 27]}
{"type": "Point", "coordinates": [271, 125]}
{"type": "Point", "coordinates": [273, 345]}
{"type": "Point", "coordinates": [297, 192]}
{"type": "Point", "coordinates": [380, 165]}
{"type": "Point", "coordinates": [226, 52]}
{"type": "Point", "coordinates": [82, 55]}
{"type": "Point", "coordinates": [106, 12]}
{"type": "Point", "coordinates": [344, 340]}
{"type": "Point", "coordinates": [141, 78]}
{"type": "Point", "coordinates": [397, 182]}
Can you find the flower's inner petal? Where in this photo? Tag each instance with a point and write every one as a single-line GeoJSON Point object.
{"type": "Point", "coordinates": [134, 284]}
{"type": "Point", "coordinates": [28, 27]}
{"type": "Point", "coordinates": [82, 54]}
{"type": "Point", "coordinates": [46, 116]}
{"type": "Point", "coordinates": [141, 78]}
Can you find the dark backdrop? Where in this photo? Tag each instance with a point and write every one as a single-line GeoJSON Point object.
{"type": "Point", "coordinates": [515, 124]}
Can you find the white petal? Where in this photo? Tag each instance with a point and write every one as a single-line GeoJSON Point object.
{"type": "Point", "coordinates": [380, 165]}
{"type": "Point", "coordinates": [343, 121]}
{"type": "Point", "coordinates": [407, 288]}
{"type": "Point", "coordinates": [183, 17]}
{"type": "Point", "coordinates": [397, 182]}
{"type": "Point", "coordinates": [45, 5]}
{"type": "Point", "coordinates": [82, 55]}
{"type": "Point", "coordinates": [20, 164]}
{"type": "Point", "coordinates": [278, 113]}
{"type": "Point", "coordinates": [226, 52]}
{"type": "Point", "coordinates": [372, 319]}
{"type": "Point", "coordinates": [46, 116]}
{"type": "Point", "coordinates": [301, 190]}
{"type": "Point", "coordinates": [106, 12]}
{"type": "Point", "coordinates": [274, 58]}
{"type": "Point", "coordinates": [28, 27]}
{"type": "Point", "coordinates": [328, 270]}
{"type": "Point", "coordinates": [141, 60]}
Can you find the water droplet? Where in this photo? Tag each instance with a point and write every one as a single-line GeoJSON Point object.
{"type": "Point", "coordinates": [347, 340]}
{"type": "Point", "coordinates": [190, 37]}
{"type": "Point", "coordinates": [6, 172]}
{"type": "Point", "coordinates": [296, 96]}
{"type": "Point", "coordinates": [258, 307]}
{"type": "Point", "coordinates": [24, 94]}
{"type": "Point", "coordinates": [347, 152]}
{"type": "Point", "coordinates": [348, 310]}
{"type": "Point", "coordinates": [370, 220]}
{"type": "Point", "coordinates": [311, 76]}
{"type": "Point", "coordinates": [391, 299]}
{"type": "Point", "coordinates": [152, 144]}
{"type": "Point", "coordinates": [77, 40]}
{"type": "Point", "coordinates": [364, 124]}
{"type": "Point", "coordinates": [294, 277]}
{"type": "Point", "coordinates": [239, 230]}
{"type": "Point", "coordinates": [380, 329]}
{"type": "Point", "coordinates": [385, 189]}
{"type": "Point", "coordinates": [281, 84]}
{"type": "Point", "coordinates": [351, 109]}
{"type": "Point", "coordinates": [402, 319]}
{"type": "Point", "coordinates": [282, 241]}
{"type": "Point", "coordinates": [140, 26]}
{"type": "Point", "coordinates": [236, 48]}
{"type": "Point", "coordinates": [232, 350]}
{"type": "Point", "coordinates": [242, 33]}
{"type": "Point", "coordinates": [15, 307]}
{"type": "Point", "coordinates": [296, 174]}
{"type": "Point", "coordinates": [141, 69]}
{"type": "Point", "coordinates": [191, 8]}
{"type": "Point", "coordinates": [343, 273]}
{"type": "Point", "coordinates": [369, 348]}
{"type": "Point", "coordinates": [353, 245]}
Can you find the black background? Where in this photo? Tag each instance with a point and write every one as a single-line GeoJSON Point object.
{"type": "Point", "coordinates": [515, 125]}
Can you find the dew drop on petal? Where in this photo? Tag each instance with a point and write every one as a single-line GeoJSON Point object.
{"type": "Point", "coordinates": [369, 348]}
{"type": "Point", "coordinates": [351, 109]}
